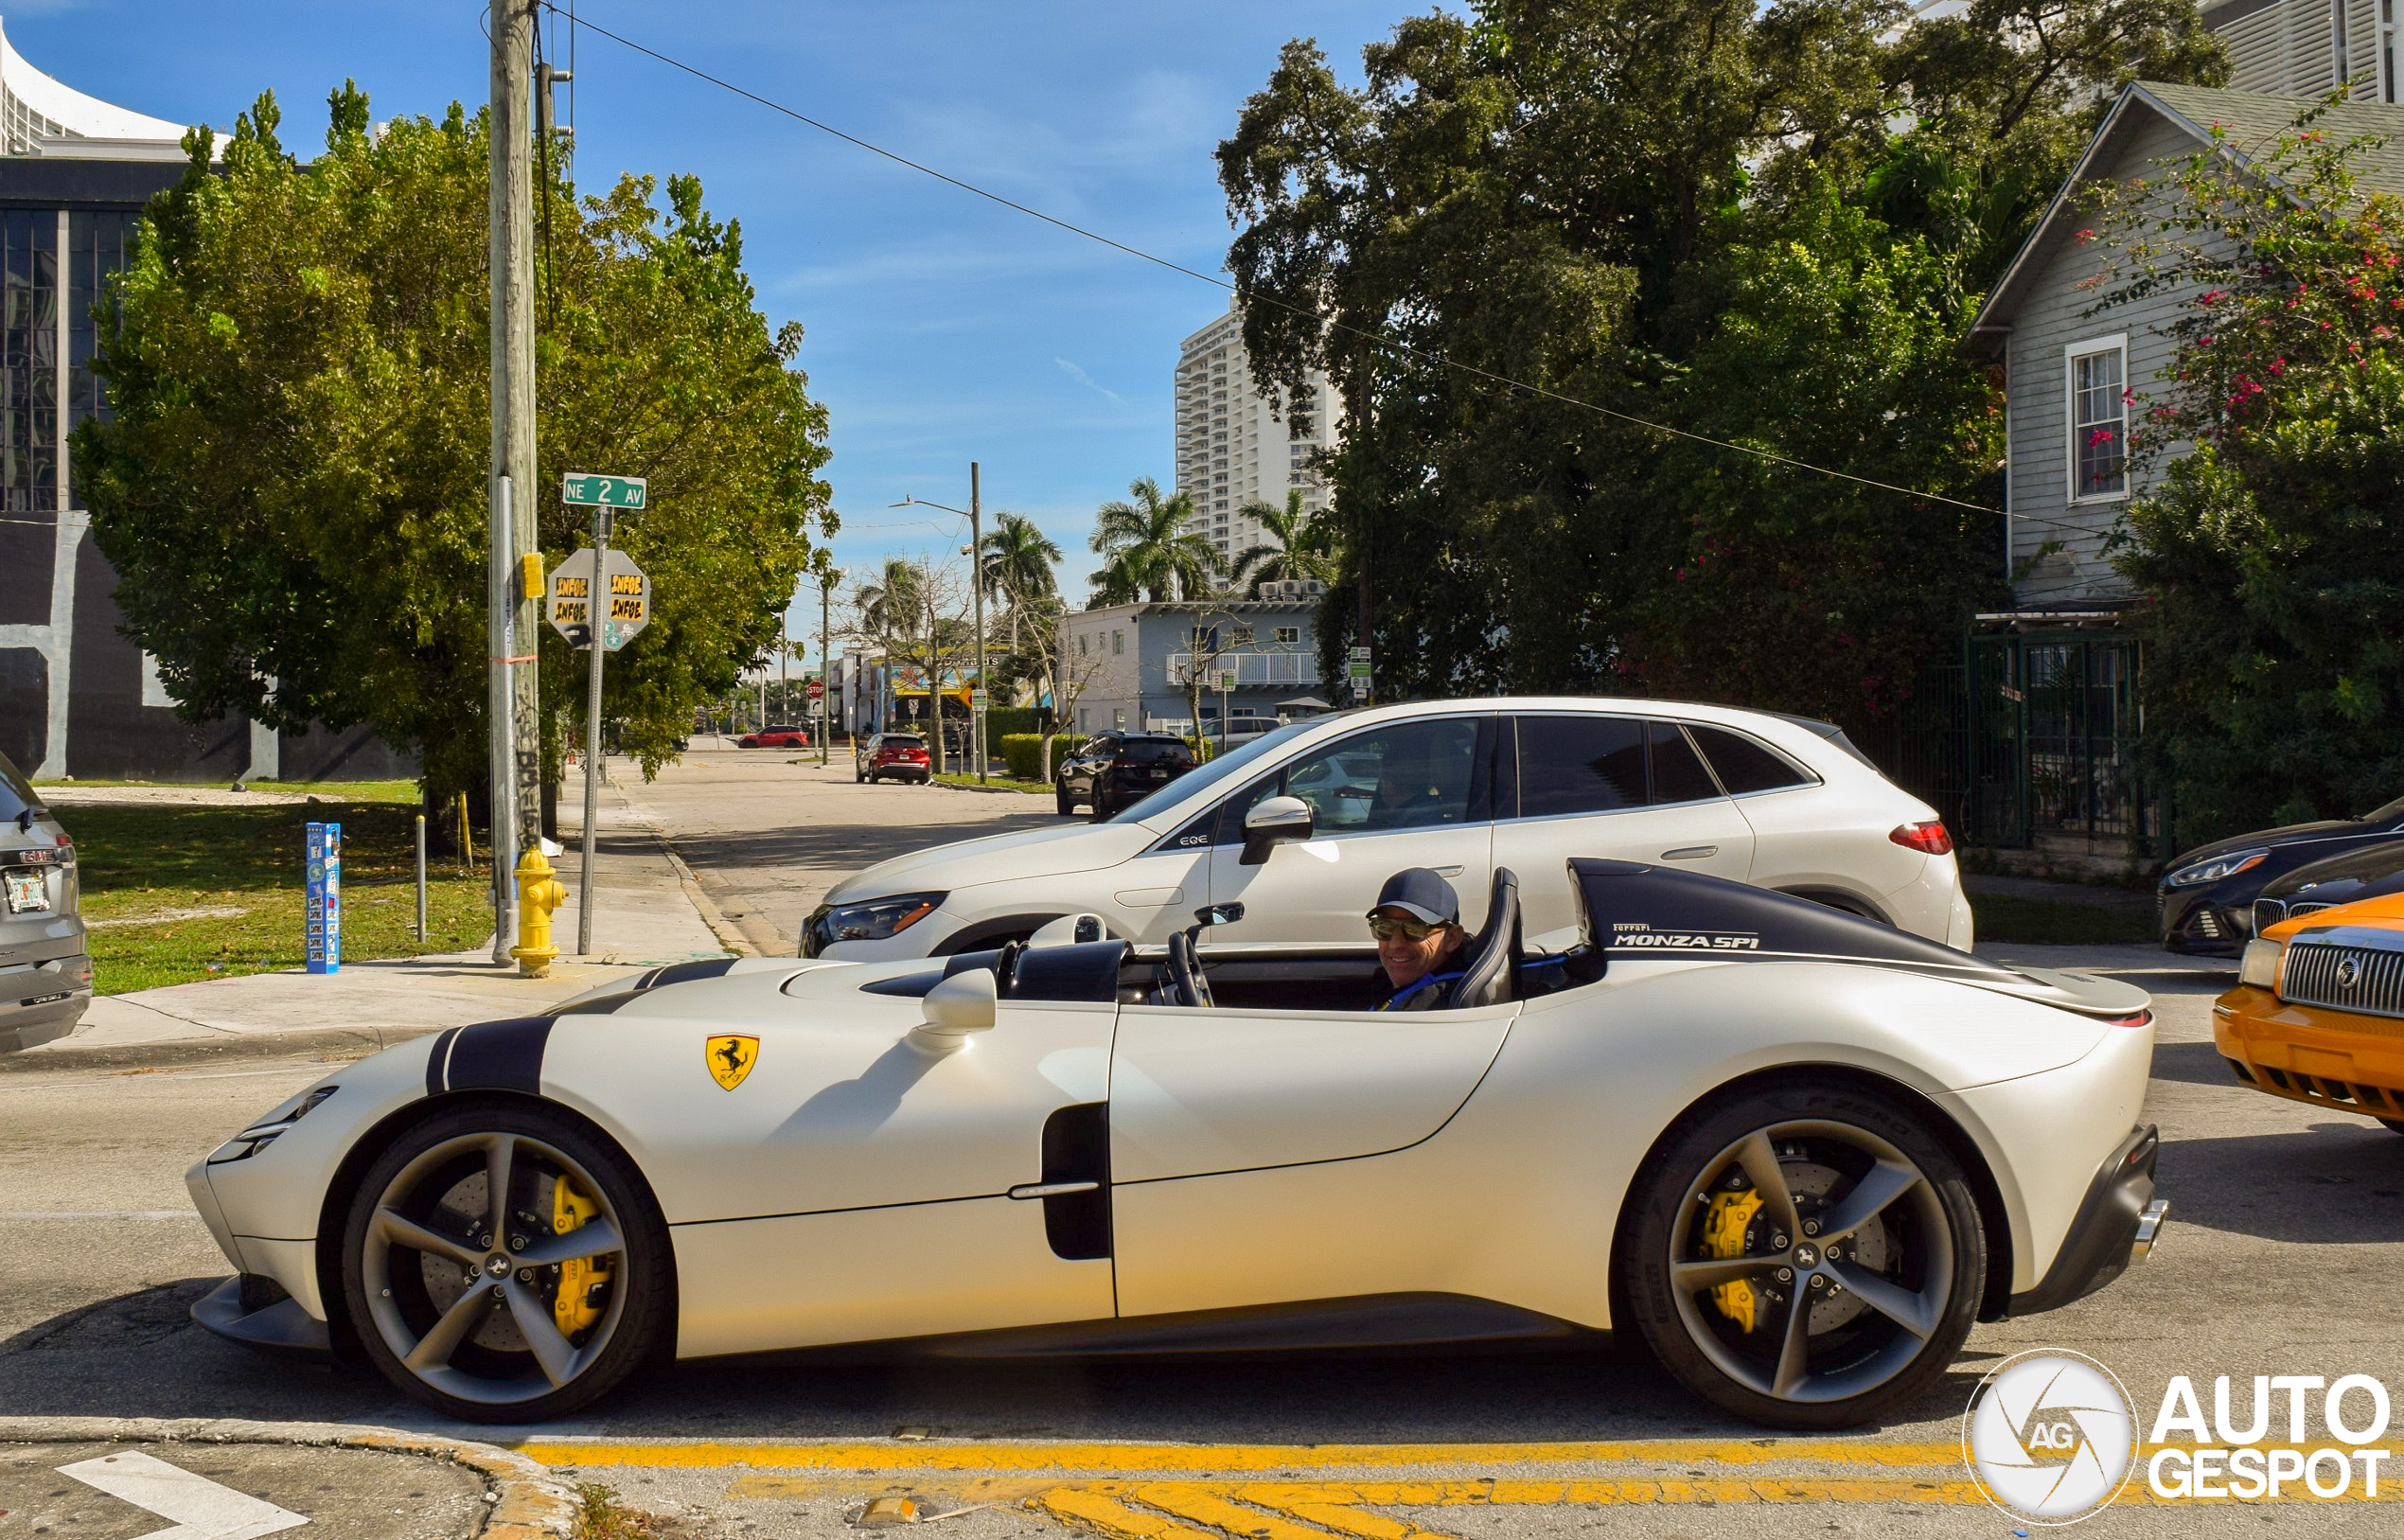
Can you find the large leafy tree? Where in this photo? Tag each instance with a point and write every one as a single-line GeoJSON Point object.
{"type": "Point", "coordinates": [2275, 680]}
{"type": "Point", "coordinates": [1146, 550]}
{"type": "Point", "coordinates": [1018, 565]}
{"type": "Point", "coordinates": [1537, 222]}
{"type": "Point", "coordinates": [292, 488]}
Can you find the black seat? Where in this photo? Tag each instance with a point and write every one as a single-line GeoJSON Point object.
{"type": "Point", "coordinates": [1491, 960]}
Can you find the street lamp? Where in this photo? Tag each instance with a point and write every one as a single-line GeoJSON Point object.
{"type": "Point", "coordinates": [977, 608]}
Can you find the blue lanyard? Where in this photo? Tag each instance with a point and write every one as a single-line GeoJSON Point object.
{"type": "Point", "coordinates": [1425, 981]}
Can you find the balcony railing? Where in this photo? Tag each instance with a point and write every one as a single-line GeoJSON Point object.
{"type": "Point", "coordinates": [1251, 668]}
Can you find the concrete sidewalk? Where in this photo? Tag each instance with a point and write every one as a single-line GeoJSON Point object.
{"type": "Point", "coordinates": [647, 910]}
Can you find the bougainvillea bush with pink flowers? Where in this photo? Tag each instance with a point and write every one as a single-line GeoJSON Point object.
{"type": "Point", "coordinates": [2271, 538]}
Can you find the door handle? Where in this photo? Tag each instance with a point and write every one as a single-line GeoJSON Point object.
{"type": "Point", "coordinates": [1453, 870]}
{"type": "Point", "coordinates": [1053, 1189]}
{"type": "Point", "coordinates": [1690, 852]}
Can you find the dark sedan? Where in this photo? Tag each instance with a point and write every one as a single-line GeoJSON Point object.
{"type": "Point", "coordinates": [2371, 872]}
{"type": "Point", "coordinates": [2207, 897]}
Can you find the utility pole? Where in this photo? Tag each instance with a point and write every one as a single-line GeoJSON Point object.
{"type": "Point", "coordinates": [514, 703]}
{"type": "Point", "coordinates": [784, 664]}
{"type": "Point", "coordinates": [977, 609]}
{"type": "Point", "coordinates": [827, 577]}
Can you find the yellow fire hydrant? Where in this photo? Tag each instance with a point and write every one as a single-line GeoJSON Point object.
{"type": "Point", "coordinates": [539, 894]}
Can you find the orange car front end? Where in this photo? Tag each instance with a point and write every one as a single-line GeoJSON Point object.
{"type": "Point", "coordinates": [2318, 1014]}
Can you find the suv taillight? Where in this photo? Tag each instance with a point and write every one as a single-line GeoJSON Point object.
{"type": "Point", "coordinates": [1927, 837]}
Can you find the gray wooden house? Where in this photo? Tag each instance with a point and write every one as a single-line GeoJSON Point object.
{"type": "Point", "coordinates": [2049, 700]}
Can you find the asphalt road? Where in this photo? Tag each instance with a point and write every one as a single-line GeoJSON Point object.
{"type": "Point", "coordinates": [2275, 1263]}
{"type": "Point", "coordinates": [768, 831]}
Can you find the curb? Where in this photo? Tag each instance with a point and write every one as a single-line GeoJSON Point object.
{"type": "Point", "coordinates": [531, 1505]}
{"type": "Point", "coordinates": [166, 1052]}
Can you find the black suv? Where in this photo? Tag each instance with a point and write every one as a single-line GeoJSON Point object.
{"type": "Point", "coordinates": [1112, 771]}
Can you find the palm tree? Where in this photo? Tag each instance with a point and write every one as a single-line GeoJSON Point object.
{"type": "Point", "coordinates": [1015, 566]}
{"type": "Point", "coordinates": [1147, 550]}
{"type": "Point", "coordinates": [890, 604]}
{"type": "Point", "coordinates": [1305, 545]}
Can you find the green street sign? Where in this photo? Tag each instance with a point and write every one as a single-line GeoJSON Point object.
{"type": "Point", "coordinates": [584, 489]}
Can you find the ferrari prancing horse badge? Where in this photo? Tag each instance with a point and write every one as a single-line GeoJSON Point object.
{"type": "Point", "coordinates": [732, 1057]}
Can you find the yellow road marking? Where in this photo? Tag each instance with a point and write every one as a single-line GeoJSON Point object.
{"type": "Point", "coordinates": [1112, 1458]}
{"type": "Point", "coordinates": [1114, 1519]}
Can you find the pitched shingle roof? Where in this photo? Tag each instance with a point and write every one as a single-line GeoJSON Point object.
{"type": "Point", "coordinates": [2252, 120]}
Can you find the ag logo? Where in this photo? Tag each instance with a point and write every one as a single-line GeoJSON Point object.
{"type": "Point", "coordinates": [2049, 1437]}
{"type": "Point", "coordinates": [730, 1058]}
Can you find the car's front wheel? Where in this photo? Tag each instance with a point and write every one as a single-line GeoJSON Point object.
{"type": "Point", "coordinates": [503, 1265]}
{"type": "Point", "coordinates": [1065, 803]}
{"type": "Point", "coordinates": [1806, 1255]}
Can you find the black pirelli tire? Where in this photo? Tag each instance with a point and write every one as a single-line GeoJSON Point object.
{"type": "Point", "coordinates": [1806, 1256]}
{"type": "Point", "coordinates": [490, 1312]}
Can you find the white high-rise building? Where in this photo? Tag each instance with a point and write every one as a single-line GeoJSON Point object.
{"type": "Point", "coordinates": [1235, 447]}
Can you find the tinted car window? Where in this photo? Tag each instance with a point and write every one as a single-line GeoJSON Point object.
{"type": "Point", "coordinates": [1678, 774]}
{"type": "Point", "coordinates": [1580, 765]}
{"type": "Point", "coordinates": [1744, 765]}
{"type": "Point", "coordinates": [900, 740]}
{"type": "Point", "coordinates": [15, 795]}
{"type": "Point", "coordinates": [1156, 751]}
{"type": "Point", "coordinates": [1416, 774]}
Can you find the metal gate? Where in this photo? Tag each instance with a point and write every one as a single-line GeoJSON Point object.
{"type": "Point", "coordinates": [2030, 738]}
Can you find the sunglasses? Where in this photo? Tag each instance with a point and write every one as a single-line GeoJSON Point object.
{"type": "Point", "coordinates": [1387, 927]}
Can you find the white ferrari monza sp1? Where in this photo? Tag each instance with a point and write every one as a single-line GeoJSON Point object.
{"type": "Point", "coordinates": [1794, 1152]}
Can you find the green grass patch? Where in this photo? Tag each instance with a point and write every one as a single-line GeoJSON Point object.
{"type": "Point", "coordinates": [401, 791]}
{"type": "Point", "coordinates": [177, 893]}
{"type": "Point", "coordinates": [999, 783]}
{"type": "Point", "coordinates": [2054, 922]}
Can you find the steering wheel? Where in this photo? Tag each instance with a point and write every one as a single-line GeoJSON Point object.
{"type": "Point", "coordinates": [1186, 973]}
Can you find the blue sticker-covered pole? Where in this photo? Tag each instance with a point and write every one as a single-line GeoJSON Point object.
{"type": "Point", "coordinates": [324, 899]}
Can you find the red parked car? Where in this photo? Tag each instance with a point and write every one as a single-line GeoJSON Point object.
{"type": "Point", "coordinates": [893, 756]}
{"type": "Point", "coordinates": [774, 738]}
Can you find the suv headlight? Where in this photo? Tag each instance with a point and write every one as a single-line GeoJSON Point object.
{"type": "Point", "coordinates": [2260, 966]}
{"type": "Point", "coordinates": [876, 918]}
{"type": "Point", "coordinates": [2216, 868]}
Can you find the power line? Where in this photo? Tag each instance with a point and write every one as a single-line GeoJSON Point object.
{"type": "Point", "coordinates": [1439, 360]}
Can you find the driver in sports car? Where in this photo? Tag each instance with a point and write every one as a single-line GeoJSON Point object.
{"type": "Point", "coordinates": [1417, 925]}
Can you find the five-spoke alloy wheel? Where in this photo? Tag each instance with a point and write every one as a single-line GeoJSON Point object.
{"type": "Point", "coordinates": [1807, 1256]}
{"type": "Point", "coordinates": [503, 1265]}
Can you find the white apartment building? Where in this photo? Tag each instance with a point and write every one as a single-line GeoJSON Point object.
{"type": "Point", "coordinates": [1235, 446]}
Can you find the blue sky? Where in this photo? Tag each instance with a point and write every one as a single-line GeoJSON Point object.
{"type": "Point", "coordinates": [941, 328]}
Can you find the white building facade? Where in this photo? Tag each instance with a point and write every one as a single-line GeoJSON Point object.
{"type": "Point", "coordinates": [1235, 446]}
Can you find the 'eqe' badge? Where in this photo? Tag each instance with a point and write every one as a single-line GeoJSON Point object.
{"type": "Point", "coordinates": [732, 1057]}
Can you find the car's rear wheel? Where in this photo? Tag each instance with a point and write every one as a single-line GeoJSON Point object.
{"type": "Point", "coordinates": [1806, 1256]}
{"type": "Point", "coordinates": [503, 1265]}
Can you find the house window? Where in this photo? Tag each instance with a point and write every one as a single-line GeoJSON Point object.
{"type": "Point", "coordinates": [2099, 421]}
{"type": "Point", "coordinates": [1118, 718]}
{"type": "Point", "coordinates": [1081, 646]}
{"type": "Point", "coordinates": [1117, 641]}
{"type": "Point", "coordinates": [1083, 724]}
{"type": "Point", "coordinates": [1242, 637]}
{"type": "Point", "coordinates": [2387, 50]}
{"type": "Point", "coordinates": [1289, 633]}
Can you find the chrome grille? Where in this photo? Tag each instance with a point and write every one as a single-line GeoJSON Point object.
{"type": "Point", "coordinates": [2344, 978]}
{"type": "Point", "coordinates": [2304, 905]}
{"type": "Point", "coordinates": [2268, 912]}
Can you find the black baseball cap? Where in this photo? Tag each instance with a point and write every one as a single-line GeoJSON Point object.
{"type": "Point", "coordinates": [1416, 891]}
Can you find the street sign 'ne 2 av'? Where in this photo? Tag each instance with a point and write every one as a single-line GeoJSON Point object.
{"type": "Point", "coordinates": [584, 489]}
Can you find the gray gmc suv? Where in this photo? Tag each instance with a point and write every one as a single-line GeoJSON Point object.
{"type": "Point", "coordinates": [46, 978]}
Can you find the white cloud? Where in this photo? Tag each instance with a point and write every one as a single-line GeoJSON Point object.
{"type": "Point", "coordinates": [1087, 381]}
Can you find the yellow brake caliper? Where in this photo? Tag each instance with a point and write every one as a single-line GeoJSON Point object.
{"type": "Point", "coordinates": [1724, 1228]}
{"type": "Point", "coordinates": [574, 1306]}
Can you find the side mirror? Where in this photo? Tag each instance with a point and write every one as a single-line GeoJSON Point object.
{"type": "Point", "coordinates": [1275, 820]}
{"type": "Point", "coordinates": [955, 1007]}
{"type": "Point", "coordinates": [1069, 930]}
{"type": "Point", "coordinates": [1218, 915]}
